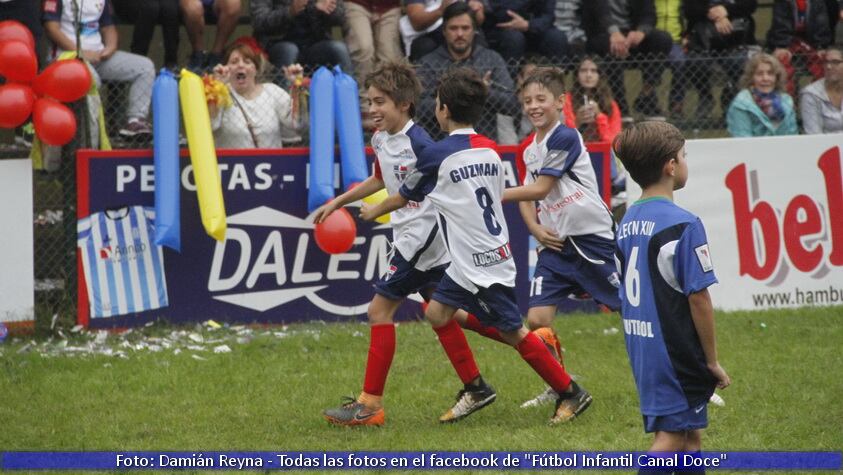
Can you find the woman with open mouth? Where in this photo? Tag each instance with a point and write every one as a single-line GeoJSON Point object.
{"type": "Point", "coordinates": [259, 110]}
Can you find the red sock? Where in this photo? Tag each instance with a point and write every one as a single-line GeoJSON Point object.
{"type": "Point", "coordinates": [456, 347]}
{"type": "Point", "coordinates": [537, 355]}
{"type": "Point", "coordinates": [473, 323]}
{"type": "Point", "coordinates": [381, 350]}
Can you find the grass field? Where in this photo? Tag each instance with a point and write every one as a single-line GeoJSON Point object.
{"type": "Point", "coordinates": [269, 391]}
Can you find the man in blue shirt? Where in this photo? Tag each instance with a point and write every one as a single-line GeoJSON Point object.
{"type": "Point", "coordinates": [665, 270]}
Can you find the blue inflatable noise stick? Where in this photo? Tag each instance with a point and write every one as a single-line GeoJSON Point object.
{"type": "Point", "coordinates": [165, 115]}
{"type": "Point", "coordinates": [321, 139]}
{"type": "Point", "coordinates": [349, 129]}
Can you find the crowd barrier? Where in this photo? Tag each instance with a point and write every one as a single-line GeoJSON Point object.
{"type": "Point", "coordinates": [773, 211]}
{"type": "Point", "coordinates": [268, 269]}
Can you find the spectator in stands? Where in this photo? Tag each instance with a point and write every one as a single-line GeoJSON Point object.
{"type": "Point", "coordinates": [299, 31]}
{"type": "Point", "coordinates": [26, 12]}
{"type": "Point", "coordinates": [669, 19]}
{"type": "Point", "coordinates": [632, 39]}
{"type": "Point", "coordinates": [226, 14]}
{"type": "Point", "coordinates": [590, 106]}
{"type": "Point", "coordinates": [259, 111]}
{"type": "Point", "coordinates": [460, 50]}
{"type": "Point", "coordinates": [421, 27]}
{"type": "Point", "coordinates": [571, 16]}
{"type": "Point", "coordinates": [99, 49]}
{"type": "Point", "coordinates": [145, 15]}
{"type": "Point", "coordinates": [835, 14]}
{"type": "Point", "coordinates": [762, 107]}
{"type": "Point", "coordinates": [372, 34]}
{"type": "Point", "coordinates": [515, 27]}
{"type": "Point", "coordinates": [799, 34]}
{"type": "Point", "coordinates": [725, 31]}
{"type": "Point", "coordinates": [821, 102]}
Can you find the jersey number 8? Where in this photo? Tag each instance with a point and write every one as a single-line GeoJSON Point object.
{"type": "Point", "coordinates": [484, 199]}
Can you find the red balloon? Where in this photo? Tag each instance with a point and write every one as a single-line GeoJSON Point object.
{"type": "Point", "coordinates": [336, 234]}
{"type": "Point", "coordinates": [67, 80]}
{"type": "Point", "coordinates": [15, 104]}
{"type": "Point", "coordinates": [17, 31]}
{"type": "Point", "coordinates": [17, 61]}
{"type": "Point", "coordinates": [55, 124]}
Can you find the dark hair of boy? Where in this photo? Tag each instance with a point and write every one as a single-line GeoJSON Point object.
{"type": "Point", "coordinates": [398, 81]}
{"type": "Point", "coordinates": [646, 147]}
{"type": "Point", "coordinates": [553, 79]}
{"type": "Point", "coordinates": [464, 92]}
{"type": "Point", "coordinates": [456, 9]}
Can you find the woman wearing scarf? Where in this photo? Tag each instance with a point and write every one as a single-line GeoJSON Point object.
{"type": "Point", "coordinates": [762, 107]}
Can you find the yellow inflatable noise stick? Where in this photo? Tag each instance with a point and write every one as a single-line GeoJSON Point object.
{"type": "Point", "coordinates": [203, 155]}
{"type": "Point", "coordinates": [376, 198]}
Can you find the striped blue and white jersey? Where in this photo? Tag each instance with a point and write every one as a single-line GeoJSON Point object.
{"type": "Point", "coordinates": [124, 270]}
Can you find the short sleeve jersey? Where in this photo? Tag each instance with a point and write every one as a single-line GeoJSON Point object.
{"type": "Point", "coordinates": [573, 207]}
{"type": "Point", "coordinates": [124, 269]}
{"type": "Point", "coordinates": [663, 257]}
{"type": "Point", "coordinates": [415, 231]}
{"type": "Point", "coordinates": [93, 15]}
{"type": "Point", "coordinates": [462, 175]}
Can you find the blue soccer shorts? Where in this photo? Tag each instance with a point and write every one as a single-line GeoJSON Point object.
{"type": "Point", "coordinates": [494, 306]}
{"type": "Point", "coordinates": [402, 279]}
{"type": "Point", "coordinates": [586, 264]}
{"type": "Point", "coordinates": [690, 419]}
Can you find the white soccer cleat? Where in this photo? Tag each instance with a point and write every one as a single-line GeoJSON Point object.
{"type": "Point", "coordinates": [546, 396]}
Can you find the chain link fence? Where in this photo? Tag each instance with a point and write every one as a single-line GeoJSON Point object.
{"type": "Point", "coordinates": [693, 92]}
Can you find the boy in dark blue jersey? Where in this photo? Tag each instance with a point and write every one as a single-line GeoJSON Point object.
{"type": "Point", "coordinates": [665, 270]}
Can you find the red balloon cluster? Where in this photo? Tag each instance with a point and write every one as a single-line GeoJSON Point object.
{"type": "Point", "coordinates": [336, 234]}
{"type": "Point", "coordinates": [41, 96]}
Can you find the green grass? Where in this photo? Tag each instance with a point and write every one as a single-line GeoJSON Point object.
{"type": "Point", "coordinates": [268, 394]}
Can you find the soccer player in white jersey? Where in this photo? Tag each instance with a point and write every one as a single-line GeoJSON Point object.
{"type": "Point", "coordinates": [574, 229]}
{"type": "Point", "coordinates": [419, 259]}
{"type": "Point", "coordinates": [462, 176]}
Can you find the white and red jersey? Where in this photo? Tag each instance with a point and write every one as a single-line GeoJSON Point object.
{"type": "Point", "coordinates": [415, 231]}
{"type": "Point", "coordinates": [462, 175]}
{"type": "Point", "coordinates": [573, 207]}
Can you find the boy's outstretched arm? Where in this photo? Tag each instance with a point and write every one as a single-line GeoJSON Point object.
{"type": "Point", "coordinates": [533, 192]}
{"type": "Point", "coordinates": [364, 189]}
{"type": "Point", "coordinates": [544, 235]}
{"type": "Point", "coordinates": [388, 205]}
{"type": "Point", "coordinates": [702, 312]}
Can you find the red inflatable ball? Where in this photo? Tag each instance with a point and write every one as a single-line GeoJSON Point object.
{"type": "Point", "coordinates": [17, 61]}
{"type": "Point", "coordinates": [67, 80]}
{"type": "Point", "coordinates": [336, 234]}
{"type": "Point", "coordinates": [16, 102]}
{"type": "Point", "coordinates": [11, 30]}
{"type": "Point", "coordinates": [55, 124]}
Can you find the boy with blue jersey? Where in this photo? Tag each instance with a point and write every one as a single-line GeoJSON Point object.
{"type": "Point", "coordinates": [575, 228]}
{"type": "Point", "coordinates": [463, 177]}
{"type": "Point", "coordinates": [663, 258]}
{"type": "Point", "coordinates": [419, 259]}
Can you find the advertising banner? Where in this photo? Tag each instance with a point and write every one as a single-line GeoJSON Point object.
{"type": "Point", "coordinates": [268, 269]}
{"type": "Point", "coordinates": [773, 211]}
{"type": "Point", "coordinates": [17, 277]}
